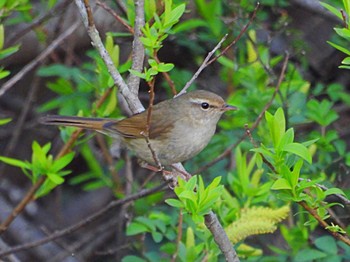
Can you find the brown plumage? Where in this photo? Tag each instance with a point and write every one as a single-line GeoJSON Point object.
{"type": "Point", "coordinates": [179, 128]}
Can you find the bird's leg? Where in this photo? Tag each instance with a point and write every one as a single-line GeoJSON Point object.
{"type": "Point", "coordinates": [178, 170]}
{"type": "Point", "coordinates": [167, 175]}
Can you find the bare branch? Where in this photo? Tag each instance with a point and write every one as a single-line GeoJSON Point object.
{"type": "Point", "coordinates": [138, 50]}
{"type": "Point", "coordinates": [202, 67]}
{"type": "Point", "coordinates": [131, 98]}
{"type": "Point", "coordinates": [11, 82]}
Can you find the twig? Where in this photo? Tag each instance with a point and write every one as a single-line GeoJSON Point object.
{"type": "Point", "coordinates": [220, 237]}
{"type": "Point", "coordinates": [138, 50]}
{"type": "Point", "coordinates": [86, 221]}
{"type": "Point", "coordinates": [56, 9]}
{"type": "Point", "coordinates": [179, 235]}
{"type": "Point", "coordinates": [244, 29]}
{"type": "Point", "coordinates": [323, 223]}
{"type": "Point", "coordinates": [167, 77]}
{"type": "Point", "coordinates": [324, 188]}
{"type": "Point", "coordinates": [202, 67]}
{"type": "Point", "coordinates": [131, 98]}
{"type": "Point", "coordinates": [115, 15]}
{"type": "Point", "coordinates": [11, 82]}
{"type": "Point", "coordinates": [207, 62]}
{"type": "Point", "coordinates": [24, 202]}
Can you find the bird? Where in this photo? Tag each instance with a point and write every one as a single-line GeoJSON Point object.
{"type": "Point", "coordinates": [178, 129]}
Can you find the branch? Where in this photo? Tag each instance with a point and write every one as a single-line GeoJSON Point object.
{"type": "Point", "coordinates": [220, 237]}
{"type": "Point", "coordinates": [138, 50]}
{"type": "Point", "coordinates": [131, 98]}
{"type": "Point", "coordinates": [86, 221]}
{"type": "Point", "coordinates": [244, 29]}
{"type": "Point", "coordinates": [11, 82]}
{"type": "Point", "coordinates": [323, 223]}
{"type": "Point", "coordinates": [202, 67]}
{"type": "Point", "coordinates": [207, 62]}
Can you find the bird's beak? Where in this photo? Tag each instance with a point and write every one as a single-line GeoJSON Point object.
{"type": "Point", "coordinates": [228, 108]}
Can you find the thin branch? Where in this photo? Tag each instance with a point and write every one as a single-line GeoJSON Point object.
{"type": "Point", "coordinates": [244, 29]}
{"type": "Point", "coordinates": [167, 77]}
{"type": "Point", "coordinates": [115, 15]}
{"type": "Point", "coordinates": [207, 62]}
{"type": "Point", "coordinates": [138, 50]}
{"type": "Point", "coordinates": [86, 221]}
{"type": "Point", "coordinates": [131, 98]}
{"type": "Point", "coordinates": [11, 82]}
{"type": "Point", "coordinates": [38, 21]}
{"type": "Point", "coordinates": [202, 67]}
{"type": "Point", "coordinates": [324, 188]}
{"type": "Point", "coordinates": [220, 237]}
{"type": "Point", "coordinates": [323, 223]}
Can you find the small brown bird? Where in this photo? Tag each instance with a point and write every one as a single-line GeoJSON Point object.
{"type": "Point", "coordinates": [179, 128]}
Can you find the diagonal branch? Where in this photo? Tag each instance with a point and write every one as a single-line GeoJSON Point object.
{"type": "Point", "coordinates": [12, 81]}
{"type": "Point", "coordinates": [86, 14]}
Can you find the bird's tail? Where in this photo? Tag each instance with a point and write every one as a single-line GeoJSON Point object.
{"type": "Point", "coordinates": [82, 122]}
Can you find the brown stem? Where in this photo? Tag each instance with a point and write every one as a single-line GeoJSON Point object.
{"type": "Point", "coordinates": [115, 15]}
{"type": "Point", "coordinates": [324, 224]}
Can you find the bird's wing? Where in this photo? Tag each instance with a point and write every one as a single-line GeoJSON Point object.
{"type": "Point", "coordinates": [136, 125]}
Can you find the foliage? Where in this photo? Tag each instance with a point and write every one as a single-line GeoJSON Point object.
{"type": "Point", "coordinates": [342, 32]}
{"type": "Point", "coordinates": [269, 174]}
{"type": "Point", "coordinates": [196, 199]}
{"type": "Point", "coordinates": [42, 164]}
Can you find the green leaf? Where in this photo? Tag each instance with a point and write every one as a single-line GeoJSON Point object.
{"type": "Point", "coordinates": [343, 32]}
{"type": "Point", "coordinates": [137, 73]}
{"type": "Point", "coordinates": [309, 254]}
{"type": "Point", "coordinates": [277, 125]}
{"type": "Point", "coordinates": [346, 61]}
{"type": "Point", "coordinates": [61, 86]}
{"type": "Point", "coordinates": [111, 103]}
{"type": "Point", "coordinates": [15, 162]}
{"type": "Point", "coordinates": [56, 179]}
{"type": "Point", "coordinates": [299, 150]}
{"type": "Point", "coordinates": [296, 173]}
{"type": "Point", "coordinates": [8, 51]}
{"type": "Point", "coordinates": [165, 67]}
{"type": "Point", "coordinates": [189, 25]}
{"type": "Point", "coordinates": [174, 16]}
{"type": "Point", "coordinates": [334, 191]}
{"type": "Point", "coordinates": [62, 162]}
{"type": "Point", "coordinates": [157, 237]}
{"type": "Point", "coordinates": [4, 121]}
{"type": "Point", "coordinates": [332, 9]}
{"type": "Point", "coordinates": [327, 244]}
{"type": "Point", "coordinates": [174, 203]}
{"type": "Point", "coordinates": [281, 183]}
{"type": "Point", "coordinates": [2, 34]}
{"type": "Point", "coordinates": [136, 228]}
{"type": "Point", "coordinates": [133, 259]}
{"type": "Point", "coordinates": [287, 138]}
{"type": "Point", "coordinates": [340, 48]}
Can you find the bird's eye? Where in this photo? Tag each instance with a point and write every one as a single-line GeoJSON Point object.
{"type": "Point", "coordinates": [205, 105]}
